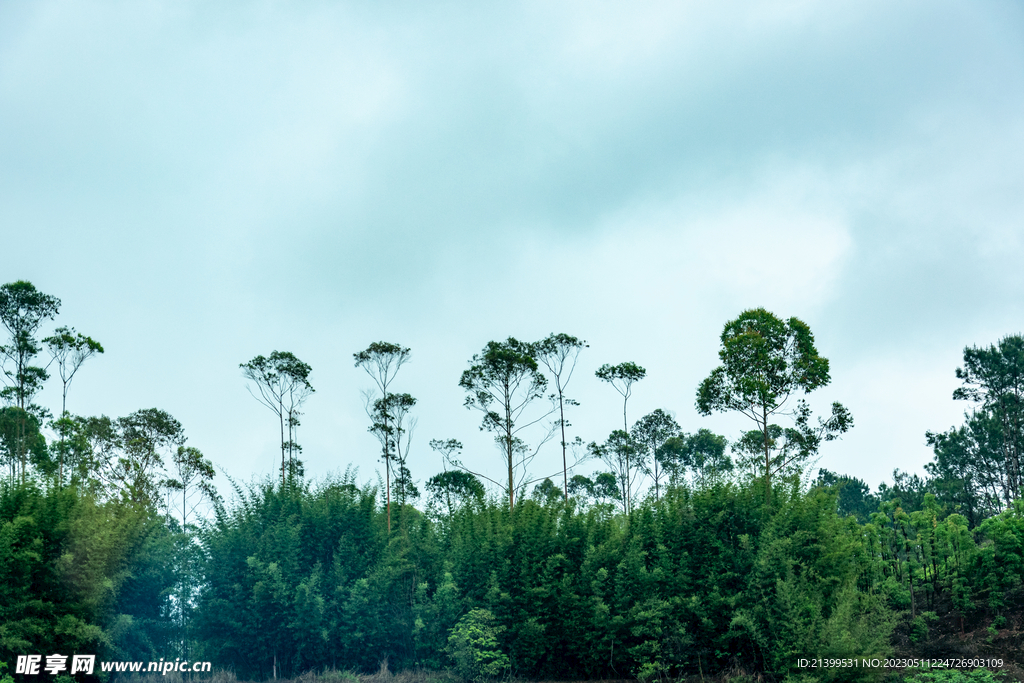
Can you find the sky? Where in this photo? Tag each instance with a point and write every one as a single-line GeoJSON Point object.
{"type": "Point", "coordinates": [201, 183]}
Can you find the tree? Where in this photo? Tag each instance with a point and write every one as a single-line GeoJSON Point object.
{"type": "Point", "coordinates": [90, 449]}
{"type": "Point", "coordinates": [791, 446]}
{"type": "Point", "coordinates": [404, 486]}
{"type": "Point", "coordinates": [853, 495]}
{"type": "Point", "coordinates": [622, 377]}
{"type": "Point", "coordinates": [650, 433]}
{"type": "Point", "coordinates": [192, 481]}
{"type": "Point", "coordinates": [968, 471]}
{"type": "Point", "coordinates": [455, 487]}
{"type": "Point", "coordinates": [765, 362]}
{"type": "Point", "coordinates": [546, 492]}
{"type": "Point", "coordinates": [191, 484]}
{"type": "Point", "coordinates": [994, 378]}
{"type": "Point", "coordinates": [621, 454]}
{"type": "Point", "coordinates": [473, 645]}
{"type": "Point", "coordinates": [604, 487]}
{"type": "Point", "coordinates": [22, 441]}
{"type": "Point", "coordinates": [445, 448]}
{"type": "Point", "coordinates": [69, 350]}
{"type": "Point", "coordinates": [390, 415]}
{"type": "Point", "coordinates": [458, 484]}
{"type": "Point", "coordinates": [559, 353]}
{"type": "Point", "coordinates": [140, 438]}
{"type": "Point", "coordinates": [702, 452]}
{"type": "Point", "coordinates": [282, 384]}
{"type": "Point", "coordinates": [502, 382]}
{"type": "Point", "coordinates": [22, 311]}
{"type": "Point", "coordinates": [908, 491]}
{"type": "Point", "coordinates": [382, 361]}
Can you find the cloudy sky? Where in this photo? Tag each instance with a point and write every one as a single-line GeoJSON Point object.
{"type": "Point", "coordinates": [204, 182]}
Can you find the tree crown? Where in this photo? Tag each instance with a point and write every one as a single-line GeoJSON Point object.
{"type": "Point", "coordinates": [764, 361]}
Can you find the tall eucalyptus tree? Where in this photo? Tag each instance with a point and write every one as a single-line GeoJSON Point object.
{"type": "Point", "coordinates": [503, 382]}
{"type": "Point", "coordinates": [69, 350]}
{"type": "Point", "coordinates": [619, 452]}
{"type": "Point", "coordinates": [622, 376]}
{"type": "Point", "coordinates": [382, 361]}
{"type": "Point", "coordinates": [23, 309]}
{"type": "Point", "coordinates": [188, 487]}
{"type": "Point", "coordinates": [282, 385]}
{"type": "Point", "coordinates": [559, 353]}
{"type": "Point", "coordinates": [650, 434]}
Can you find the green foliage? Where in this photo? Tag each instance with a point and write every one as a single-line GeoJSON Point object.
{"type": "Point", "coordinates": [559, 353]}
{"type": "Point", "coordinates": [473, 645]}
{"type": "Point", "coordinates": [304, 576]}
{"type": "Point", "coordinates": [853, 496]}
{"type": "Point", "coordinates": [134, 455]}
{"type": "Point", "coordinates": [703, 453]}
{"type": "Point", "coordinates": [919, 626]}
{"type": "Point", "coordinates": [23, 309]}
{"type": "Point", "coordinates": [382, 361]}
{"type": "Point", "coordinates": [22, 442]}
{"type": "Point", "coordinates": [626, 461]}
{"type": "Point", "coordinates": [300, 577]}
{"type": "Point", "coordinates": [650, 434]}
{"type": "Point", "coordinates": [957, 676]}
{"type": "Point", "coordinates": [454, 488]}
{"type": "Point", "coordinates": [70, 567]}
{"type": "Point", "coordinates": [993, 378]}
{"type": "Point", "coordinates": [546, 492]}
{"type": "Point", "coordinates": [622, 377]}
{"type": "Point", "coordinates": [68, 350]}
{"type": "Point", "coordinates": [907, 491]}
{"type": "Point", "coordinates": [809, 564]}
{"type": "Point", "coordinates": [103, 548]}
{"type": "Point", "coordinates": [435, 616]}
{"type": "Point", "coordinates": [765, 361]}
{"type": "Point", "coordinates": [502, 382]}
{"type": "Point", "coordinates": [967, 469]}
{"type": "Point", "coordinates": [282, 385]}
{"type": "Point", "coordinates": [603, 488]}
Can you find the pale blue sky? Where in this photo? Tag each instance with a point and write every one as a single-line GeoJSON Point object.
{"type": "Point", "coordinates": [203, 183]}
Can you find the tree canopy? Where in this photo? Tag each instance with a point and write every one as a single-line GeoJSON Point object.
{"type": "Point", "coordinates": [765, 362]}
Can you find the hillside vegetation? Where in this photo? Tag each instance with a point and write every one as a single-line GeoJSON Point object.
{"type": "Point", "coordinates": [687, 555]}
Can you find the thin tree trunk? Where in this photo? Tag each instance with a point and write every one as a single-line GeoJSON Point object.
{"type": "Point", "coordinates": [507, 391]}
{"type": "Point", "coordinates": [387, 457]}
{"type": "Point", "coordinates": [63, 414]}
{"type": "Point", "coordinates": [281, 417]}
{"type": "Point", "coordinates": [565, 466]}
{"type": "Point", "coordinates": [767, 461]}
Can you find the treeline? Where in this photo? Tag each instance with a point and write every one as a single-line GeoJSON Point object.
{"type": "Point", "coordinates": [304, 576]}
{"type": "Point", "coordinates": [685, 554]}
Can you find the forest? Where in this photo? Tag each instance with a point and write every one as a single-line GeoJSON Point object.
{"type": "Point", "coordinates": [685, 556]}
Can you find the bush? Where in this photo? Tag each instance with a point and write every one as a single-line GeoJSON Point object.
{"type": "Point", "coordinates": [919, 626]}
{"type": "Point", "coordinates": [473, 644]}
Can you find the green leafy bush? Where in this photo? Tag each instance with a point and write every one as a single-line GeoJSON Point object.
{"type": "Point", "coordinates": [473, 645]}
{"type": "Point", "coordinates": [919, 626]}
